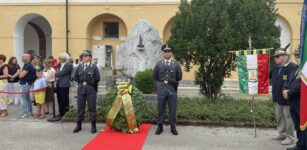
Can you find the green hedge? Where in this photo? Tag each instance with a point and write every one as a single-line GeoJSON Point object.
{"type": "Point", "coordinates": [144, 81]}
{"type": "Point", "coordinates": [226, 110]}
{"type": "Point", "coordinates": [219, 111]}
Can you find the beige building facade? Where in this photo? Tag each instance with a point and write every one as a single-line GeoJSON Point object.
{"type": "Point", "coordinates": [41, 24]}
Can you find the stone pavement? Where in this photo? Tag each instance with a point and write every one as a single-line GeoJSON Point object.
{"type": "Point", "coordinates": [213, 138]}
{"type": "Point", "coordinates": [35, 134]}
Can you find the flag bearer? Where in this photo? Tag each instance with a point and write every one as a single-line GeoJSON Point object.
{"type": "Point", "coordinates": [292, 92]}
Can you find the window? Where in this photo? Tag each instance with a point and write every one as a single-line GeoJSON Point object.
{"type": "Point", "coordinates": [111, 29]}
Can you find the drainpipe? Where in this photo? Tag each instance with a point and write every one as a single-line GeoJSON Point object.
{"type": "Point", "coordinates": [67, 31]}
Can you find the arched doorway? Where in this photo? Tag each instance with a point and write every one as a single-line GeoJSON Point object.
{"type": "Point", "coordinates": [33, 32]}
{"type": "Point", "coordinates": [104, 33]}
{"type": "Point", "coordinates": [285, 33]}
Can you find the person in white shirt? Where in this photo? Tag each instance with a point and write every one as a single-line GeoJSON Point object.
{"type": "Point", "coordinates": [95, 62]}
{"type": "Point", "coordinates": [62, 77]}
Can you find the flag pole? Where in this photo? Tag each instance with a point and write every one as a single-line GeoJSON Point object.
{"type": "Point", "coordinates": [253, 51]}
{"type": "Point", "coordinates": [254, 116]}
{"type": "Point", "coordinates": [254, 104]}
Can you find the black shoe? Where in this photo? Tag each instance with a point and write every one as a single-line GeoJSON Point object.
{"type": "Point", "coordinates": [94, 130]}
{"type": "Point", "coordinates": [78, 127]}
{"type": "Point", "coordinates": [159, 129]}
{"type": "Point", "coordinates": [293, 148]}
{"type": "Point", "coordinates": [54, 119]}
{"type": "Point", "coordinates": [173, 130]}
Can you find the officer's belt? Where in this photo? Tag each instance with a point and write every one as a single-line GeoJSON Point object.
{"type": "Point", "coordinates": [165, 81]}
{"type": "Point", "coordinates": [84, 83]}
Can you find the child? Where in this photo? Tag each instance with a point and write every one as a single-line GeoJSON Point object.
{"type": "Point", "coordinates": [39, 89]}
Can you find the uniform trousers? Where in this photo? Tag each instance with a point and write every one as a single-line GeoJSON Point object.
{"type": "Point", "coordinates": [295, 113]}
{"type": "Point", "coordinates": [169, 97]}
{"type": "Point", "coordinates": [91, 102]}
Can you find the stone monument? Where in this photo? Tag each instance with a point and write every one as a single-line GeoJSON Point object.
{"type": "Point", "coordinates": [140, 51]}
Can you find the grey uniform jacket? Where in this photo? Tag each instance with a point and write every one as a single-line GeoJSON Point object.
{"type": "Point", "coordinates": [90, 76]}
{"type": "Point", "coordinates": [171, 74]}
{"type": "Point", "coordinates": [64, 75]}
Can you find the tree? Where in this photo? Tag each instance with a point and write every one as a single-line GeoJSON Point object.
{"type": "Point", "coordinates": [204, 31]}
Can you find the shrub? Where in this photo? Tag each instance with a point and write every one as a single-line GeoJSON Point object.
{"type": "Point", "coordinates": [144, 81]}
{"type": "Point", "coordinates": [223, 110]}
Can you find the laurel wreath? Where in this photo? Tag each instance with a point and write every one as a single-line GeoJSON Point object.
{"type": "Point", "coordinates": [120, 123]}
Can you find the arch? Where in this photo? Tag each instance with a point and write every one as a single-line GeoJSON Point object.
{"type": "Point", "coordinates": [167, 29]}
{"type": "Point", "coordinates": [106, 17]}
{"type": "Point", "coordinates": [36, 26]}
{"type": "Point", "coordinates": [96, 37]}
{"type": "Point", "coordinates": [285, 33]}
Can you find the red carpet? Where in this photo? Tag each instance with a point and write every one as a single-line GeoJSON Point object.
{"type": "Point", "coordinates": [111, 140]}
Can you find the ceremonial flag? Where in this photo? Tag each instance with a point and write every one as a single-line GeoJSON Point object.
{"type": "Point", "coordinates": [303, 67]}
{"type": "Point", "coordinates": [253, 70]}
{"type": "Point", "coordinates": [303, 105]}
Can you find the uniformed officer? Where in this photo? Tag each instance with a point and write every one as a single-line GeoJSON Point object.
{"type": "Point", "coordinates": [167, 73]}
{"type": "Point", "coordinates": [291, 92]}
{"type": "Point", "coordinates": [279, 75]}
{"type": "Point", "coordinates": [87, 76]}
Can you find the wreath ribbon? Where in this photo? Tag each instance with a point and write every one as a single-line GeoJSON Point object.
{"type": "Point", "coordinates": [123, 98]}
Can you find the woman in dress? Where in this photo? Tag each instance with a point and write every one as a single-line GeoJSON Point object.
{"type": "Point", "coordinates": [49, 74]}
{"type": "Point", "coordinates": [3, 86]}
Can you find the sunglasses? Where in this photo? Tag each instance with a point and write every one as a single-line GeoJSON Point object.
{"type": "Point", "coordinates": [277, 56]}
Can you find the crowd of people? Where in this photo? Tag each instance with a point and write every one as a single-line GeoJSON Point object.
{"type": "Point", "coordinates": [41, 78]}
{"type": "Point", "coordinates": [36, 82]}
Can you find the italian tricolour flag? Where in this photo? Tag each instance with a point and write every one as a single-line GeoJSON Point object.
{"type": "Point", "coordinates": [303, 109]}
{"type": "Point", "coordinates": [303, 67]}
{"type": "Point", "coordinates": [253, 70]}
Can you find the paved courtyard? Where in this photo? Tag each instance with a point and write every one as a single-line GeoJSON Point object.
{"type": "Point", "coordinates": [35, 134]}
